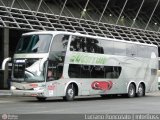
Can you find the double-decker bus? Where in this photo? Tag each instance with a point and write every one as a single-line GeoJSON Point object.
{"type": "Point", "coordinates": [58, 63]}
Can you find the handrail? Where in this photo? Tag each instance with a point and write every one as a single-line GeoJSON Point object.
{"type": "Point", "coordinates": [42, 63]}
{"type": "Point", "coordinates": [4, 62]}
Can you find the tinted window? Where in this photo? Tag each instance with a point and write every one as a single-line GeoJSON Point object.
{"type": "Point", "coordinates": [54, 71]}
{"type": "Point", "coordinates": [90, 71]}
{"type": "Point", "coordinates": [83, 44]}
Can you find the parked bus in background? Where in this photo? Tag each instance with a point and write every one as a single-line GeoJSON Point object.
{"type": "Point", "coordinates": [159, 82]}
{"type": "Point", "coordinates": [159, 77]}
{"type": "Point", "coordinates": [57, 63]}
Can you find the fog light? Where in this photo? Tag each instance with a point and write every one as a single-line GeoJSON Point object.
{"type": "Point", "coordinates": [13, 88]}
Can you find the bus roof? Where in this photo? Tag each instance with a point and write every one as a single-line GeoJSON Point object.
{"type": "Point", "coordinates": [84, 35]}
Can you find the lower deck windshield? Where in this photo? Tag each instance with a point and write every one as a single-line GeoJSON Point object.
{"type": "Point", "coordinates": [27, 70]}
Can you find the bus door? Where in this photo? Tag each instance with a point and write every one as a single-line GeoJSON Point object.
{"type": "Point", "coordinates": [50, 79]}
{"type": "Point", "coordinates": [55, 64]}
{"type": "Point", "coordinates": [54, 76]}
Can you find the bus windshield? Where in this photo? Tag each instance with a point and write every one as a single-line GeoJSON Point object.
{"type": "Point", "coordinates": [34, 43]}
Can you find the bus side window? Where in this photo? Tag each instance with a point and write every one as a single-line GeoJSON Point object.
{"type": "Point", "coordinates": [74, 71]}
{"type": "Point", "coordinates": [91, 71]}
{"type": "Point", "coordinates": [76, 44]}
{"type": "Point", "coordinates": [112, 71]}
{"type": "Point", "coordinates": [94, 46]}
{"type": "Point", "coordinates": [88, 45]}
{"type": "Point", "coordinates": [98, 72]}
{"type": "Point", "coordinates": [54, 71]}
{"type": "Point", "coordinates": [85, 71]}
{"type": "Point", "coordinates": [73, 44]}
{"type": "Point", "coordinates": [50, 71]}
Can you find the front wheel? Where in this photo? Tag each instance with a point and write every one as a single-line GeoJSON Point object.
{"type": "Point", "coordinates": [141, 91]}
{"type": "Point", "coordinates": [70, 93]}
{"type": "Point", "coordinates": [131, 91]}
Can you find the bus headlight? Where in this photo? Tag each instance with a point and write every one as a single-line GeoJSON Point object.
{"type": "Point", "coordinates": [13, 88]}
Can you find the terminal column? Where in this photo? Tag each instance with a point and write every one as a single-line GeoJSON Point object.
{"type": "Point", "coordinates": [5, 54]}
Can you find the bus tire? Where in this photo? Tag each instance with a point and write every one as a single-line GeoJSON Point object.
{"type": "Point", "coordinates": [131, 91]}
{"type": "Point", "coordinates": [41, 99]}
{"type": "Point", "coordinates": [70, 93]}
{"type": "Point", "coordinates": [141, 90]}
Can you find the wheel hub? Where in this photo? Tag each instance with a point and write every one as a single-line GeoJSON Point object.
{"type": "Point", "coordinates": [70, 92]}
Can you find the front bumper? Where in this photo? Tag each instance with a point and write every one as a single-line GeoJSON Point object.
{"type": "Point", "coordinates": [32, 93]}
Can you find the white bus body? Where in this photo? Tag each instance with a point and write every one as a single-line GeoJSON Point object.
{"type": "Point", "coordinates": [56, 63]}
